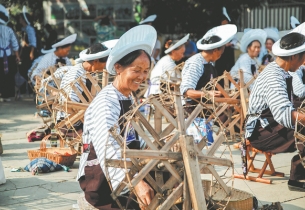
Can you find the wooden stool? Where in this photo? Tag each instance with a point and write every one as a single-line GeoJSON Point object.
{"type": "Point", "coordinates": [260, 171]}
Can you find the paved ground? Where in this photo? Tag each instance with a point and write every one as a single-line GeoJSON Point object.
{"type": "Point", "coordinates": [59, 190]}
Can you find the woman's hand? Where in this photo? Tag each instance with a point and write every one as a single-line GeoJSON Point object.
{"type": "Point", "coordinates": [144, 193]}
{"type": "Point", "coordinates": [215, 93]}
{"type": "Point", "coordinates": [31, 55]}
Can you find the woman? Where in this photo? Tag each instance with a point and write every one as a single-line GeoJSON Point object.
{"type": "Point", "coordinates": [130, 61]}
{"type": "Point", "coordinates": [8, 42]}
{"type": "Point", "coordinates": [199, 69]}
{"type": "Point", "coordinates": [227, 59]}
{"type": "Point", "coordinates": [175, 51]}
{"type": "Point", "coordinates": [272, 37]}
{"type": "Point", "coordinates": [250, 44]}
{"type": "Point", "coordinates": [94, 60]}
{"type": "Point", "coordinates": [271, 115]}
{"type": "Point", "coordinates": [62, 50]}
{"type": "Point", "coordinates": [29, 44]}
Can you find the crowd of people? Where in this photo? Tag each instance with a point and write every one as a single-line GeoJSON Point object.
{"type": "Point", "coordinates": [269, 125]}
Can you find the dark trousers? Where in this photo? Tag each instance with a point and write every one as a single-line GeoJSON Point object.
{"type": "Point", "coordinates": [26, 64]}
{"type": "Point", "coordinates": [7, 81]}
{"type": "Point", "coordinates": [277, 139]}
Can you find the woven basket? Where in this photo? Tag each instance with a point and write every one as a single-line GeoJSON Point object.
{"type": "Point", "coordinates": [237, 200]}
{"type": "Point", "coordinates": [55, 154]}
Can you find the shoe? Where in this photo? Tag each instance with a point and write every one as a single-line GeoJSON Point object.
{"type": "Point", "coordinates": [294, 185]}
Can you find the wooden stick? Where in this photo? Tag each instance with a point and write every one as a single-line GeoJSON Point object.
{"type": "Point", "coordinates": [193, 172]}
{"type": "Point", "coordinates": [165, 113]}
{"type": "Point", "coordinates": [85, 89]}
{"type": "Point", "coordinates": [172, 198]}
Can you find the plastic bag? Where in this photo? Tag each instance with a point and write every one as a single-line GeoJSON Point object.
{"type": "Point", "coordinates": [199, 129]}
{"type": "Point", "coordinates": [19, 80]}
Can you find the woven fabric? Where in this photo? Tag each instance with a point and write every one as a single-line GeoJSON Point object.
{"type": "Point", "coordinates": [42, 165]}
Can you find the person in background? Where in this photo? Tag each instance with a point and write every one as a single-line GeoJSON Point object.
{"type": "Point", "coordinates": [198, 70]}
{"type": "Point", "coordinates": [63, 48]}
{"type": "Point", "coordinates": [52, 36]}
{"type": "Point", "coordinates": [93, 60]}
{"type": "Point", "coordinates": [105, 27]}
{"type": "Point", "coordinates": [29, 43]}
{"type": "Point", "coordinates": [272, 37]}
{"type": "Point", "coordinates": [37, 60]}
{"type": "Point", "coordinates": [8, 45]}
{"type": "Point", "coordinates": [174, 53]}
{"type": "Point", "coordinates": [227, 59]}
{"type": "Point", "coordinates": [190, 48]}
{"type": "Point", "coordinates": [250, 44]}
{"type": "Point", "coordinates": [157, 48]}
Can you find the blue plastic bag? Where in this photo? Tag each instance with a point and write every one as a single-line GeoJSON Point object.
{"type": "Point", "coordinates": [199, 129]}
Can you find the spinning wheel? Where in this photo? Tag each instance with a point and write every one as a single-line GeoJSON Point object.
{"type": "Point", "coordinates": [299, 132]}
{"type": "Point", "coordinates": [232, 107]}
{"type": "Point", "coordinates": [71, 111]}
{"type": "Point", "coordinates": [172, 163]}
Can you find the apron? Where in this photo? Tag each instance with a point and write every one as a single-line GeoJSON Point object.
{"type": "Point", "coordinates": [274, 138]}
{"type": "Point", "coordinates": [5, 59]}
{"type": "Point", "coordinates": [94, 183]}
{"type": "Point", "coordinates": [209, 73]}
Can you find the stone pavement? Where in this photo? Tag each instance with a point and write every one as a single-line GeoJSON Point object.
{"type": "Point", "coordinates": [59, 190]}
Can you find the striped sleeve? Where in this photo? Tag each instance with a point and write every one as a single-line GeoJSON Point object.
{"type": "Point", "coordinates": [31, 35]}
{"type": "Point", "coordinates": [278, 101]}
{"type": "Point", "coordinates": [191, 73]}
{"type": "Point", "coordinates": [297, 83]}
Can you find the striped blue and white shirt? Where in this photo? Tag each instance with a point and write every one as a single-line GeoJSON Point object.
{"type": "Point", "coordinates": [8, 40]}
{"type": "Point", "coordinates": [244, 63]}
{"type": "Point", "coordinates": [34, 65]}
{"type": "Point", "coordinates": [30, 31]}
{"type": "Point", "coordinates": [166, 63]}
{"type": "Point", "coordinates": [297, 82]}
{"type": "Point", "coordinates": [47, 61]}
{"type": "Point", "coordinates": [270, 91]}
{"type": "Point", "coordinates": [101, 115]}
{"type": "Point", "coordinates": [192, 71]}
{"type": "Point", "coordinates": [74, 73]}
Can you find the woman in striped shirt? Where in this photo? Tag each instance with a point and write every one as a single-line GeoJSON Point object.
{"type": "Point", "coordinates": [130, 61]}
{"type": "Point", "coordinates": [175, 51]}
{"type": "Point", "coordinates": [271, 114]}
{"type": "Point", "coordinates": [8, 42]}
{"type": "Point", "coordinates": [94, 60]}
{"type": "Point", "coordinates": [199, 69]}
{"type": "Point", "coordinates": [251, 44]}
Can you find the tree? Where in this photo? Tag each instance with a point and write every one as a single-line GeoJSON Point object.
{"type": "Point", "coordinates": [194, 16]}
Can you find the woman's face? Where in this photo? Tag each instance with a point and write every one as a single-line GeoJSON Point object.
{"type": "Point", "coordinates": [98, 66]}
{"type": "Point", "coordinates": [296, 62]}
{"type": "Point", "coordinates": [63, 52]}
{"type": "Point", "coordinates": [131, 77]}
{"type": "Point", "coordinates": [217, 53]}
{"type": "Point", "coordinates": [269, 44]}
{"type": "Point", "coordinates": [254, 49]}
{"type": "Point", "coordinates": [177, 55]}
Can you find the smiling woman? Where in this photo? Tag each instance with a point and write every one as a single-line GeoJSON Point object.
{"type": "Point", "coordinates": [130, 61]}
